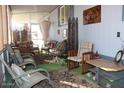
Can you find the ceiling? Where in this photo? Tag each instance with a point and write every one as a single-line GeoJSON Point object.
{"type": "Point", "coordinates": [32, 8]}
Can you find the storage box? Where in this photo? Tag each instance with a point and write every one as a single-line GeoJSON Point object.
{"type": "Point", "coordinates": [111, 79]}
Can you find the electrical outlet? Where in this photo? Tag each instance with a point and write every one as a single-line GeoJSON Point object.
{"type": "Point", "coordinates": [118, 34]}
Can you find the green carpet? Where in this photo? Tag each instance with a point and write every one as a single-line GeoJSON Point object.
{"type": "Point", "coordinates": [52, 67]}
{"type": "Point", "coordinates": [77, 70]}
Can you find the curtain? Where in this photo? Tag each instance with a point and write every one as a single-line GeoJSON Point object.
{"type": "Point", "coordinates": [45, 26]}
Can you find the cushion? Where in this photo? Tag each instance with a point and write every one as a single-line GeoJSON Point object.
{"type": "Point", "coordinates": [29, 60]}
{"type": "Point", "coordinates": [18, 71]}
{"type": "Point", "coordinates": [84, 47]}
{"type": "Point", "coordinates": [18, 55]}
{"type": "Point", "coordinates": [75, 58]}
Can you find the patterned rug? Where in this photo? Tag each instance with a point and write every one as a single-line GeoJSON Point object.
{"type": "Point", "coordinates": [66, 79]}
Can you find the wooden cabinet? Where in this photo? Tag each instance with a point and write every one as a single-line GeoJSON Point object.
{"type": "Point", "coordinates": [64, 12]}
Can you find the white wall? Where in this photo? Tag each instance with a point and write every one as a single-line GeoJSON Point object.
{"type": "Point", "coordinates": [54, 27]}
{"type": "Point", "coordinates": [103, 34]}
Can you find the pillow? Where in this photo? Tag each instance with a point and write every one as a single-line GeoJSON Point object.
{"type": "Point", "coordinates": [18, 71]}
{"type": "Point", "coordinates": [18, 55]}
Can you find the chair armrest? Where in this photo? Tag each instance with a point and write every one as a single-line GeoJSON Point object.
{"type": "Point", "coordinates": [39, 70]}
{"type": "Point", "coordinates": [85, 54]}
{"type": "Point", "coordinates": [89, 53]}
{"type": "Point", "coordinates": [26, 55]}
{"type": "Point", "coordinates": [20, 76]}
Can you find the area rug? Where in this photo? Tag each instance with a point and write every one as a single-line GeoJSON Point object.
{"type": "Point", "coordinates": [66, 79]}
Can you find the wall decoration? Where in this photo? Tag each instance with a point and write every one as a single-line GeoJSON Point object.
{"type": "Point", "coordinates": [92, 15]}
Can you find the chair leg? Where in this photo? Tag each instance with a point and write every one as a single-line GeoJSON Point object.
{"type": "Point", "coordinates": [68, 64]}
{"type": "Point", "coordinates": [83, 68]}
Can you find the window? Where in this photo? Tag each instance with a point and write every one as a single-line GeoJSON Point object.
{"type": "Point", "coordinates": [36, 34]}
{"type": "Point", "coordinates": [65, 34]}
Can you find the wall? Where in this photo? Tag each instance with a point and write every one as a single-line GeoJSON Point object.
{"type": "Point", "coordinates": [54, 27]}
{"type": "Point", "coordinates": [19, 19]}
{"type": "Point", "coordinates": [103, 35]}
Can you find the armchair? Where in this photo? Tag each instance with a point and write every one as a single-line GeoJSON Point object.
{"type": "Point", "coordinates": [25, 79]}
{"type": "Point", "coordinates": [76, 58]}
{"type": "Point", "coordinates": [18, 59]}
{"type": "Point", "coordinates": [57, 52]}
{"type": "Point", "coordinates": [86, 56]}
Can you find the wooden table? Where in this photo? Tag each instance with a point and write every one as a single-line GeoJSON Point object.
{"type": "Point", "coordinates": [106, 65]}
{"type": "Point", "coordinates": [102, 64]}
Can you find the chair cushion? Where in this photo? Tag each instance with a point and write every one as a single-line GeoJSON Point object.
{"type": "Point", "coordinates": [84, 47]}
{"type": "Point", "coordinates": [18, 55]}
{"type": "Point", "coordinates": [29, 59]}
{"type": "Point", "coordinates": [18, 71]}
{"type": "Point", "coordinates": [75, 58]}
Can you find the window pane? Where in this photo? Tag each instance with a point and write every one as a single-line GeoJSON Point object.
{"type": "Point", "coordinates": [36, 34]}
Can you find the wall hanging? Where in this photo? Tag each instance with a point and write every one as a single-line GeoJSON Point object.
{"type": "Point", "coordinates": [92, 15]}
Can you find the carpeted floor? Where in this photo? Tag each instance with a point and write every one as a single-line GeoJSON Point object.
{"type": "Point", "coordinates": [60, 76]}
{"type": "Point", "coordinates": [66, 79]}
{"type": "Point", "coordinates": [57, 74]}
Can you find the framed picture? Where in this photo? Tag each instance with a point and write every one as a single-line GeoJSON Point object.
{"type": "Point", "coordinates": [92, 15]}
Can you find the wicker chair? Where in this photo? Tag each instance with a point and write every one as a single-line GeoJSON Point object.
{"type": "Point", "coordinates": [16, 56]}
{"type": "Point", "coordinates": [25, 79]}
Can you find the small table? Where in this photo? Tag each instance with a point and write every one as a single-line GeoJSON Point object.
{"type": "Point", "coordinates": [105, 65]}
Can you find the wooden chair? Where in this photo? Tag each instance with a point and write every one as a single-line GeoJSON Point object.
{"type": "Point", "coordinates": [86, 56]}
{"type": "Point", "coordinates": [76, 58]}
{"type": "Point", "coordinates": [25, 79]}
{"type": "Point", "coordinates": [72, 64]}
